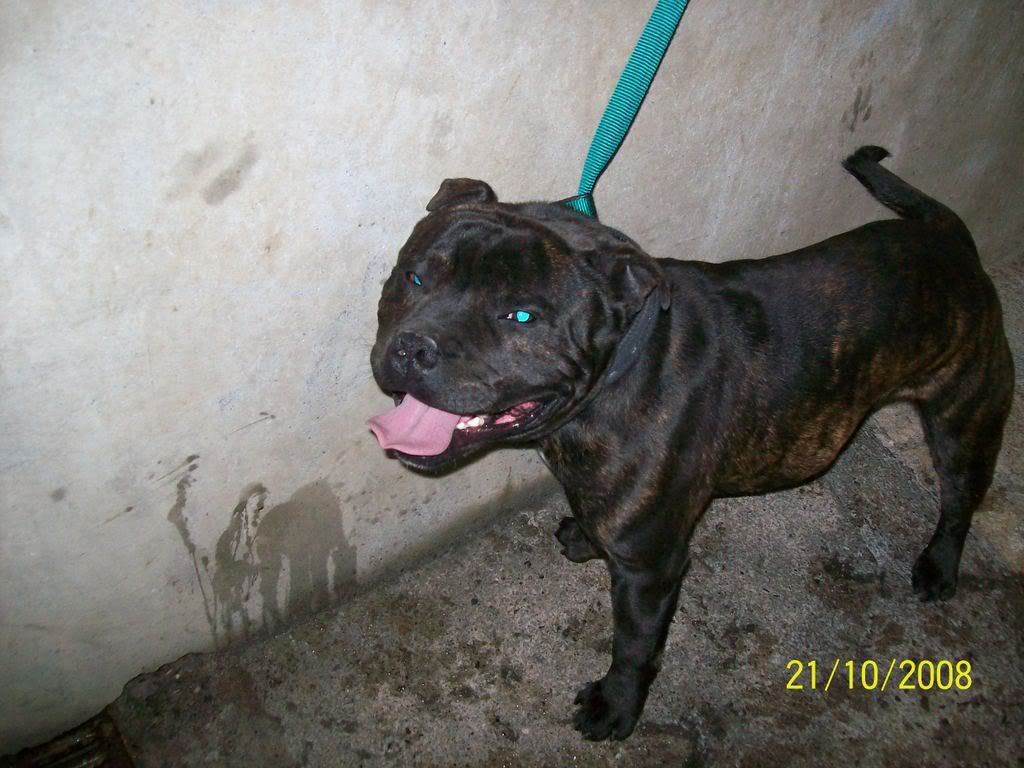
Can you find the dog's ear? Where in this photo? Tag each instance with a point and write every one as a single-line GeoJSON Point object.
{"type": "Point", "coordinates": [640, 277]}
{"type": "Point", "coordinates": [632, 278]}
{"type": "Point", "coordinates": [460, 191]}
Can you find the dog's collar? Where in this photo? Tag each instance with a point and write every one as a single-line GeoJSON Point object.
{"type": "Point", "coordinates": [635, 339]}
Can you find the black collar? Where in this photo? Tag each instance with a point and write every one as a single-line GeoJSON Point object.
{"type": "Point", "coordinates": [635, 338]}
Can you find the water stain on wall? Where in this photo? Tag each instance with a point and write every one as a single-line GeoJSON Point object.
{"type": "Point", "coordinates": [191, 168]}
{"type": "Point", "coordinates": [860, 110]}
{"type": "Point", "coordinates": [270, 566]}
{"type": "Point", "coordinates": [116, 515]}
{"type": "Point", "coordinates": [264, 416]}
{"type": "Point", "coordinates": [235, 562]}
{"type": "Point", "coordinates": [305, 534]}
{"type": "Point", "coordinates": [186, 464]}
{"type": "Point", "coordinates": [231, 178]}
{"type": "Point", "coordinates": [176, 516]}
{"type": "Point", "coordinates": [862, 73]}
{"type": "Point", "coordinates": [198, 171]}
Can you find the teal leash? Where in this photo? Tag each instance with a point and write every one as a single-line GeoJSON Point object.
{"type": "Point", "coordinates": [627, 97]}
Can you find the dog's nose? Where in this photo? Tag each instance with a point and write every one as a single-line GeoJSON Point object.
{"type": "Point", "coordinates": [414, 351]}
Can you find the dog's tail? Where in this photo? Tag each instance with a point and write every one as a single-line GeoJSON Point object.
{"type": "Point", "coordinates": [893, 192]}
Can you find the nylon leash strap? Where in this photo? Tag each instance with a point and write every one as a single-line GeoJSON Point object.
{"type": "Point", "coordinates": [628, 96]}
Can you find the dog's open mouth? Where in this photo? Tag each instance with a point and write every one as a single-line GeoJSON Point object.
{"type": "Point", "coordinates": [419, 430]}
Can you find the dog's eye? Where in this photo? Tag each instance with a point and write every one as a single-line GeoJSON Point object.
{"type": "Point", "coordinates": [413, 278]}
{"type": "Point", "coordinates": [521, 316]}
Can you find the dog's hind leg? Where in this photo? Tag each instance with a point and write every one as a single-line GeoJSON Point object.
{"type": "Point", "coordinates": [964, 430]}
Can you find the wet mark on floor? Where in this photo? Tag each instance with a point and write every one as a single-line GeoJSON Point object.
{"type": "Point", "coordinates": [227, 703]}
{"type": "Point", "coordinates": [848, 585]}
{"type": "Point", "coordinates": [746, 644]}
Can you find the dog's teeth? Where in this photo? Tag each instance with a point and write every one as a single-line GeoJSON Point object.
{"type": "Point", "coordinates": [476, 421]}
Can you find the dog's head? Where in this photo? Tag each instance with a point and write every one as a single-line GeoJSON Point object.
{"type": "Point", "coordinates": [499, 321]}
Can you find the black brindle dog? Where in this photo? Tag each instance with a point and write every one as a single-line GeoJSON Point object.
{"type": "Point", "coordinates": [653, 385]}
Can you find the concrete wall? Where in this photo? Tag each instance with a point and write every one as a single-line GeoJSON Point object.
{"type": "Point", "coordinates": [199, 202]}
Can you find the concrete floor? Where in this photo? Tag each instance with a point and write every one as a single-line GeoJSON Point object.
{"type": "Point", "coordinates": [473, 657]}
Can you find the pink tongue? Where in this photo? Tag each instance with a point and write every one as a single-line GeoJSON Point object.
{"type": "Point", "coordinates": [414, 428]}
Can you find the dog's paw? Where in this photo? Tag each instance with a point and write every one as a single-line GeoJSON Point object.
{"type": "Point", "coordinates": [603, 716]}
{"type": "Point", "coordinates": [575, 545]}
{"type": "Point", "coordinates": [933, 579]}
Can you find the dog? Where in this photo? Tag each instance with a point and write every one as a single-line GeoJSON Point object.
{"type": "Point", "coordinates": [653, 385]}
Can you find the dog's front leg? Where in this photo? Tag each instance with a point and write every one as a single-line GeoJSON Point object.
{"type": "Point", "coordinates": [643, 603]}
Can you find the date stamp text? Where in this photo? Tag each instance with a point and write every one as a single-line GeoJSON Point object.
{"type": "Point", "coordinates": [882, 675]}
